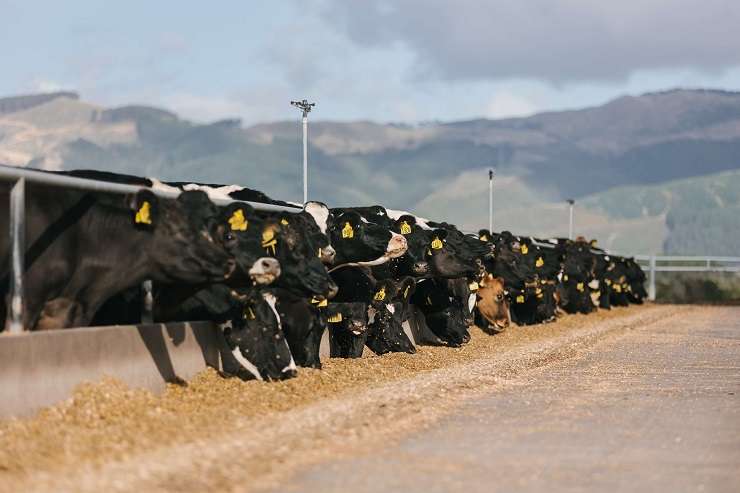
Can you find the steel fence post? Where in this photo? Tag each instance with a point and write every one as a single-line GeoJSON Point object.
{"type": "Point", "coordinates": [14, 324]}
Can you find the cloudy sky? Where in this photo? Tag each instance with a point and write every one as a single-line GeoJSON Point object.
{"type": "Point", "coordinates": [401, 60]}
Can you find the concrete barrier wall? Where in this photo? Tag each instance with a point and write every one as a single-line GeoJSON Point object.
{"type": "Point", "coordinates": [38, 369]}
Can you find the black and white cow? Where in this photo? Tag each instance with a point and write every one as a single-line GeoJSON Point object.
{"type": "Point", "coordinates": [83, 247]}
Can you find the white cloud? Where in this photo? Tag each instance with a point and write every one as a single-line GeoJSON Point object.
{"type": "Point", "coordinates": [45, 85]}
{"type": "Point", "coordinates": [506, 104]}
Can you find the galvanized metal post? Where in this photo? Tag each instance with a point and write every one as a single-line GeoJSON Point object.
{"type": "Point", "coordinates": [147, 303]}
{"type": "Point", "coordinates": [14, 324]}
{"type": "Point", "coordinates": [651, 287]}
{"type": "Point", "coordinates": [305, 158]}
{"type": "Point", "coordinates": [570, 219]}
{"type": "Point", "coordinates": [490, 200]}
{"type": "Point", "coordinates": [305, 107]}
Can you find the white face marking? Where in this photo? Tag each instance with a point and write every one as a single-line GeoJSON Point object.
{"type": "Point", "coordinates": [553, 241]}
{"type": "Point", "coordinates": [594, 284]}
{"type": "Point", "coordinates": [371, 314]}
{"type": "Point", "coordinates": [265, 270]}
{"type": "Point", "coordinates": [390, 308]}
{"type": "Point", "coordinates": [271, 300]}
{"type": "Point", "coordinates": [471, 302]}
{"type": "Point", "coordinates": [560, 276]}
{"type": "Point", "coordinates": [319, 212]}
{"type": "Point", "coordinates": [291, 365]}
{"type": "Point", "coordinates": [246, 364]}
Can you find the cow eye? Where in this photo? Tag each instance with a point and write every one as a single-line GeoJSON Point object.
{"type": "Point", "coordinates": [499, 297]}
{"type": "Point", "coordinates": [229, 236]}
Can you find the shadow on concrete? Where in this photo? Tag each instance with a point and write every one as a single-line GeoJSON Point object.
{"type": "Point", "coordinates": [153, 338]}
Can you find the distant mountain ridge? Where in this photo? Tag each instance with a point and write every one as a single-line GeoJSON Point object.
{"type": "Point", "coordinates": [437, 169]}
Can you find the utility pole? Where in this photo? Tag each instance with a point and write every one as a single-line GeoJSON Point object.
{"type": "Point", "coordinates": [306, 107]}
{"type": "Point", "coordinates": [570, 222]}
{"type": "Point", "coordinates": [490, 200]}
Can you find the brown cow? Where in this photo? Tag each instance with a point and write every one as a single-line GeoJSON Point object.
{"type": "Point", "coordinates": [493, 305]}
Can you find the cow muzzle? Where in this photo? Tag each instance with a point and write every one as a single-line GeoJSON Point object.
{"type": "Point", "coordinates": [421, 268]}
{"type": "Point", "coordinates": [328, 254]}
{"type": "Point", "coordinates": [397, 246]}
{"type": "Point", "coordinates": [265, 270]}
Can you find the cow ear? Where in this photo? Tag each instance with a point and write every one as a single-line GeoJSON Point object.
{"type": "Point", "coordinates": [238, 215]}
{"type": "Point", "coordinates": [144, 207]}
{"type": "Point", "coordinates": [440, 233]}
{"type": "Point", "coordinates": [501, 280]}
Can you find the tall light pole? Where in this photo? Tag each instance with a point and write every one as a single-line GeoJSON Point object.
{"type": "Point", "coordinates": [306, 107]}
{"type": "Point", "coordinates": [570, 221]}
{"type": "Point", "coordinates": [490, 200]}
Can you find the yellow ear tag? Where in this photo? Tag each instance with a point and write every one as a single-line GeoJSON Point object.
{"type": "Point", "coordinates": [617, 288]}
{"type": "Point", "coordinates": [268, 240]}
{"type": "Point", "coordinates": [473, 286]}
{"type": "Point", "coordinates": [143, 214]}
{"type": "Point", "coordinates": [284, 222]}
{"type": "Point", "coordinates": [321, 303]}
{"type": "Point", "coordinates": [539, 293]}
{"type": "Point", "coordinates": [237, 221]}
{"type": "Point", "coordinates": [335, 318]}
{"type": "Point", "coordinates": [347, 231]}
{"type": "Point", "coordinates": [524, 249]}
{"type": "Point", "coordinates": [579, 286]}
{"type": "Point", "coordinates": [406, 292]}
{"type": "Point", "coordinates": [405, 228]}
{"type": "Point", "coordinates": [520, 298]}
{"type": "Point", "coordinates": [539, 263]}
{"type": "Point", "coordinates": [483, 238]}
{"type": "Point", "coordinates": [565, 277]}
{"type": "Point", "coordinates": [380, 295]}
{"type": "Point", "coordinates": [608, 282]}
{"type": "Point", "coordinates": [436, 243]}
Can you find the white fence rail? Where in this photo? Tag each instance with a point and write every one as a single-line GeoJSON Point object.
{"type": "Point", "coordinates": [683, 263]}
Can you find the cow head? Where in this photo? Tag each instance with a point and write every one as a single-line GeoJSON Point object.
{"type": "Point", "coordinates": [348, 327]}
{"type": "Point", "coordinates": [413, 262]}
{"type": "Point", "coordinates": [257, 342]}
{"type": "Point", "coordinates": [385, 318]}
{"type": "Point", "coordinates": [447, 256]}
{"type": "Point", "coordinates": [492, 303]}
{"type": "Point", "coordinates": [287, 239]}
{"type": "Point", "coordinates": [356, 239]}
{"type": "Point", "coordinates": [188, 241]}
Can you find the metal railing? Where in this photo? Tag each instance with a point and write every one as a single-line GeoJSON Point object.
{"type": "Point", "coordinates": [674, 263]}
{"type": "Point", "coordinates": [21, 176]}
{"type": "Point", "coordinates": [684, 263]}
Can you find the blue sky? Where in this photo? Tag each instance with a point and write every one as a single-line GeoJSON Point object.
{"type": "Point", "coordinates": [405, 60]}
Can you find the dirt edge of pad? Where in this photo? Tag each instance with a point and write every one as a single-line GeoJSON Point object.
{"type": "Point", "coordinates": [266, 449]}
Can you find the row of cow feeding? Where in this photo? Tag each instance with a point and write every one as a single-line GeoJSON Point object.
{"type": "Point", "coordinates": [276, 281]}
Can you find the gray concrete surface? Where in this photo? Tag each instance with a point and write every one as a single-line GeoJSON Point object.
{"type": "Point", "coordinates": [42, 368]}
{"type": "Point", "coordinates": [657, 409]}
